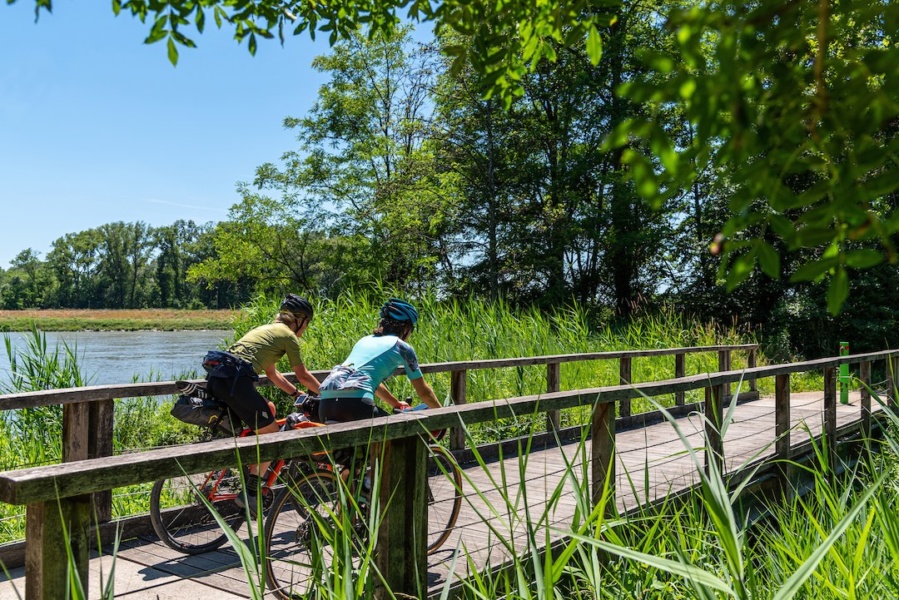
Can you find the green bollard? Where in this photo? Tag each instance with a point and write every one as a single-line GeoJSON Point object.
{"type": "Point", "coordinates": [844, 374]}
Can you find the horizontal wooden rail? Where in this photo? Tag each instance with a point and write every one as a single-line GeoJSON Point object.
{"type": "Point", "coordinates": [137, 390]}
{"type": "Point", "coordinates": [38, 484]}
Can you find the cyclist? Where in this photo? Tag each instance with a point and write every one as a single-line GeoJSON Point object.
{"type": "Point", "coordinates": [348, 393]}
{"type": "Point", "coordinates": [232, 375]}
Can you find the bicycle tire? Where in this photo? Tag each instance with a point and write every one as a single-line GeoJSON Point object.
{"type": "Point", "coordinates": [444, 496]}
{"type": "Point", "coordinates": [182, 520]}
{"type": "Point", "coordinates": [297, 554]}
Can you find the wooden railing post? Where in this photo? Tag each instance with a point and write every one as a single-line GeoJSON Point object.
{"type": "Point", "coordinates": [680, 369]}
{"type": "Point", "coordinates": [458, 391]}
{"type": "Point", "coordinates": [87, 432]}
{"type": "Point", "coordinates": [624, 378]}
{"type": "Point", "coordinates": [401, 551]}
{"type": "Point", "coordinates": [714, 414]}
{"type": "Point", "coordinates": [830, 414]}
{"type": "Point", "coordinates": [76, 431]}
{"type": "Point", "coordinates": [782, 426]}
{"type": "Point", "coordinates": [100, 444]}
{"type": "Point", "coordinates": [49, 528]}
{"type": "Point", "coordinates": [864, 376]}
{"type": "Point", "coordinates": [751, 363]}
{"type": "Point", "coordinates": [603, 451]}
{"type": "Point", "coordinates": [724, 365]}
{"type": "Point", "coordinates": [553, 376]}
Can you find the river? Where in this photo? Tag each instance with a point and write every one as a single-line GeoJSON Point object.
{"type": "Point", "coordinates": [109, 357]}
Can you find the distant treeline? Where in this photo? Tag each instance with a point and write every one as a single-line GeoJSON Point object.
{"type": "Point", "coordinates": [406, 176]}
{"type": "Point", "coordinates": [120, 265]}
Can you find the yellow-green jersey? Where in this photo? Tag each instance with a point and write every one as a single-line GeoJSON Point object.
{"type": "Point", "coordinates": [266, 344]}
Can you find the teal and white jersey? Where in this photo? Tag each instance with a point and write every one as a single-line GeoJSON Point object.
{"type": "Point", "coordinates": [374, 358]}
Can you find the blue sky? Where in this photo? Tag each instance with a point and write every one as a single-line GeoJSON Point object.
{"type": "Point", "coordinates": [97, 127]}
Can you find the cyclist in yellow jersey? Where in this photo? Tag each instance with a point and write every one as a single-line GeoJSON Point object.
{"type": "Point", "coordinates": [232, 375]}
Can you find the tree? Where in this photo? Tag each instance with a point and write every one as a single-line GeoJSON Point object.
{"type": "Point", "coordinates": [75, 261]}
{"type": "Point", "coordinates": [126, 250]}
{"type": "Point", "coordinates": [176, 246]}
{"type": "Point", "coordinates": [364, 167]}
{"type": "Point", "coordinates": [507, 37]}
{"type": "Point", "coordinates": [265, 244]}
{"type": "Point", "coordinates": [29, 284]}
{"type": "Point", "coordinates": [798, 101]}
{"type": "Point", "coordinates": [548, 215]}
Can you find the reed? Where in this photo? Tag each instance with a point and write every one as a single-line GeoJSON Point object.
{"type": "Point", "coordinates": [473, 329]}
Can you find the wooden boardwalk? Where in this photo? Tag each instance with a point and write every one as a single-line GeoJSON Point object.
{"type": "Point", "coordinates": [145, 569]}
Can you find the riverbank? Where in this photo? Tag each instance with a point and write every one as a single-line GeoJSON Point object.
{"type": "Point", "coordinates": [151, 319]}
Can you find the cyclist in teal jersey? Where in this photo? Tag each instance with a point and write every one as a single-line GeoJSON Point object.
{"type": "Point", "coordinates": [348, 393]}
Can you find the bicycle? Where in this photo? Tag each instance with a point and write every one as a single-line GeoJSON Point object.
{"type": "Point", "coordinates": [184, 522]}
{"type": "Point", "coordinates": [303, 522]}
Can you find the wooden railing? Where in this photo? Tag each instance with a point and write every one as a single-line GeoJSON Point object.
{"type": "Point", "coordinates": [49, 491]}
{"type": "Point", "coordinates": [88, 421]}
{"type": "Point", "coordinates": [87, 428]}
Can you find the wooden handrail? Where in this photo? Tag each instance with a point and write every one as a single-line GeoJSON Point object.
{"type": "Point", "coordinates": [135, 390]}
{"type": "Point", "coordinates": [29, 485]}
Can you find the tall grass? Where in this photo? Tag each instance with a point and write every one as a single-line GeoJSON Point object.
{"type": "Point", "coordinates": [477, 329]}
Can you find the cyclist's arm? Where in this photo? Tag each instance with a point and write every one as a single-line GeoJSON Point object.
{"type": "Point", "coordinates": [278, 380]}
{"type": "Point", "coordinates": [384, 394]}
{"type": "Point", "coordinates": [425, 392]}
{"type": "Point", "coordinates": [305, 377]}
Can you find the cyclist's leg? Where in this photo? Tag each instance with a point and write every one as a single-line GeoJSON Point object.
{"type": "Point", "coordinates": [241, 396]}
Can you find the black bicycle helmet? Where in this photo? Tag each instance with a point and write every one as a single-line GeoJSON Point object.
{"type": "Point", "coordinates": [296, 305]}
{"type": "Point", "coordinates": [398, 310]}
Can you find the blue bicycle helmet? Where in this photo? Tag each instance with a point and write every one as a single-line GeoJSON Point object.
{"type": "Point", "coordinates": [398, 310]}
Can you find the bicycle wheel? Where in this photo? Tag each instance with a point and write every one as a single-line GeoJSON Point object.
{"type": "Point", "coordinates": [297, 547]}
{"type": "Point", "coordinates": [183, 521]}
{"type": "Point", "coordinates": [444, 495]}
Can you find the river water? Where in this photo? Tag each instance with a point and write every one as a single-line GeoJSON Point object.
{"type": "Point", "coordinates": [110, 357]}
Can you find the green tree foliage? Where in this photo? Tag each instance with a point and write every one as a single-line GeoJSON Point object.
{"type": "Point", "coordinates": [506, 37]}
{"type": "Point", "coordinates": [265, 245]}
{"type": "Point", "coordinates": [364, 168]}
{"type": "Point", "coordinates": [761, 134]}
{"type": "Point", "coordinates": [547, 215]}
{"type": "Point", "coordinates": [177, 253]}
{"type": "Point", "coordinates": [75, 262]}
{"type": "Point", "coordinates": [27, 282]}
{"type": "Point", "coordinates": [798, 101]}
{"type": "Point", "coordinates": [117, 265]}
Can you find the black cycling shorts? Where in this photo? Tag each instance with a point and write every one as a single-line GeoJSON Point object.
{"type": "Point", "coordinates": [240, 394]}
{"type": "Point", "coordinates": [348, 409]}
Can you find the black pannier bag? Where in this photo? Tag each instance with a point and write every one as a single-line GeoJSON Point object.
{"type": "Point", "coordinates": [203, 413]}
